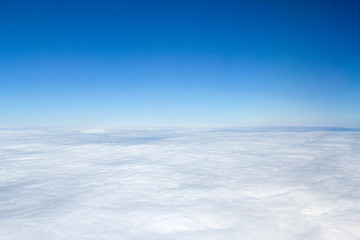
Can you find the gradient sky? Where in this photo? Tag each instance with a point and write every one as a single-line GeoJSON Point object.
{"type": "Point", "coordinates": [194, 62]}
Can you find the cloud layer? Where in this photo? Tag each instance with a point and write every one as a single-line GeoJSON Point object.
{"type": "Point", "coordinates": [180, 184]}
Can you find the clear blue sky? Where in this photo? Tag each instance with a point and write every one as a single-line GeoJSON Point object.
{"type": "Point", "coordinates": [138, 62]}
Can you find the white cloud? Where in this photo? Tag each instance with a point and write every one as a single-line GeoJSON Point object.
{"type": "Point", "coordinates": [93, 131]}
{"type": "Point", "coordinates": [180, 184]}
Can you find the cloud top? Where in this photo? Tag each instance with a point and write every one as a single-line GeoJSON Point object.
{"type": "Point", "coordinates": [179, 184]}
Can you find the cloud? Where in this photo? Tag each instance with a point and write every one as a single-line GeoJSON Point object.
{"type": "Point", "coordinates": [93, 131]}
{"type": "Point", "coordinates": [179, 184]}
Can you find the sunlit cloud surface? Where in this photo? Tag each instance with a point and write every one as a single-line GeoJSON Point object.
{"type": "Point", "coordinates": [179, 184]}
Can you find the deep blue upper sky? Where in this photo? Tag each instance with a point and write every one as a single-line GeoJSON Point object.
{"type": "Point", "coordinates": [239, 62]}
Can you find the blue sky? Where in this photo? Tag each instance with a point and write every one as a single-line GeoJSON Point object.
{"type": "Point", "coordinates": [192, 62]}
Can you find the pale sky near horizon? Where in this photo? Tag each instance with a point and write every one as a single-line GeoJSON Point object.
{"type": "Point", "coordinates": [193, 62]}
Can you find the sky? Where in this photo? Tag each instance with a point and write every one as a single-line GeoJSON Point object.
{"type": "Point", "coordinates": [180, 62]}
